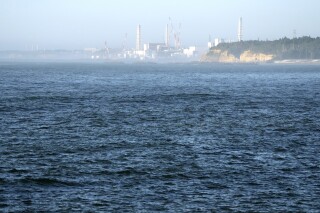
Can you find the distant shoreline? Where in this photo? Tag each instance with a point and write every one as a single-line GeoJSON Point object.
{"type": "Point", "coordinates": [279, 62]}
{"type": "Point", "coordinates": [298, 61]}
{"type": "Point", "coordinates": [83, 59]}
{"type": "Point", "coordinates": [80, 61]}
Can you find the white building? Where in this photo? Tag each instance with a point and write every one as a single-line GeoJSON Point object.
{"type": "Point", "coordinates": [190, 51]}
{"type": "Point", "coordinates": [210, 44]}
{"type": "Point", "coordinates": [154, 47]}
{"type": "Point", "coordinates": [218, 41]}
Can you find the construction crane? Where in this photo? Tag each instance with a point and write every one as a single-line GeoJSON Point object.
{"type": "Point", "coordinates": [124, 45]}
{"type": "Point", "coordinates": [176, 34]}
{"type": "Point", "coordinates": [167, 36]}
{"type": "Point", "coordinates": [106, 50]}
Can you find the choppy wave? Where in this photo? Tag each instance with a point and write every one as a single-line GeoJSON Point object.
{"type": "Point", "coordinates": [171, 138]}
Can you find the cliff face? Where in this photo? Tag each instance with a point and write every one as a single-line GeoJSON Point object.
{"type": "Point", "coordinates": [250, 57]}
{"type": "Point", "coordinates": [219, 56]}
{"type": "Point", "coordinates": [246, 57]}
{"type": "Point", "coordinates": [226, 57]}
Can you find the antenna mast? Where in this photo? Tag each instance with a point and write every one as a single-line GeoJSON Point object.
{"type": "Point", "coordinates": [240, 30]}
{"type": "Point", "coordinates": [138, 42]}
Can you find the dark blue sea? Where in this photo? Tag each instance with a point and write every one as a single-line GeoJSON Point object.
{"type": "Point", "coordinates": [98, 137]}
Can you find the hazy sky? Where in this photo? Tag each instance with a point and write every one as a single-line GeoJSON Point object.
{"type": "Point", "coordinates": [76, 24]}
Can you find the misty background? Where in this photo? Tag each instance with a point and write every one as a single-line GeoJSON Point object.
{"type": "Point", "coordinates": [78, 24]}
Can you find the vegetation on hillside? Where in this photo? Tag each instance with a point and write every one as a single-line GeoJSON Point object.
{"type": "Point", "coordinates": [285, 48]}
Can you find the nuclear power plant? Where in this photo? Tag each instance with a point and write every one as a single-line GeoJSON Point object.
{"type": "Point", "coordinates": [170, 49]}
{"type": "Point", "coordinates": [160, 50]}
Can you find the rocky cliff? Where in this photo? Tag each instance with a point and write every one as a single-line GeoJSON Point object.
{"type": "Point", "coordinates": [250, 57]}
{"type": "Point", "coordinates": [245, 57]}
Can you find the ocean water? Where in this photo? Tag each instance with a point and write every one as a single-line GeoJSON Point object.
{"type": "Point", "coordinates": [159, 138]}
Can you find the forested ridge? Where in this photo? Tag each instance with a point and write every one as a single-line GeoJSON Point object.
{"type": "Point", "coordinates": [297, 48]}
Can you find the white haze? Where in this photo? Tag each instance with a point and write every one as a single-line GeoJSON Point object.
{"type": "Point", "coordinates": [76, 24]}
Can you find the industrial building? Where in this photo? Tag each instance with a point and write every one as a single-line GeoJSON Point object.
{"type": "Point", "coordinates": [150, 51]}
{"type": "Point", "coordinates": [159, 49]}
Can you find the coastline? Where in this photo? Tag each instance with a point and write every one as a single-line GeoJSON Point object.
{"type": "Point", "coordinates": [298, 61]}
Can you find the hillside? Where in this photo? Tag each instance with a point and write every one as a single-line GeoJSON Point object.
{"type": "Point", "coordinates": [265, 51]}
